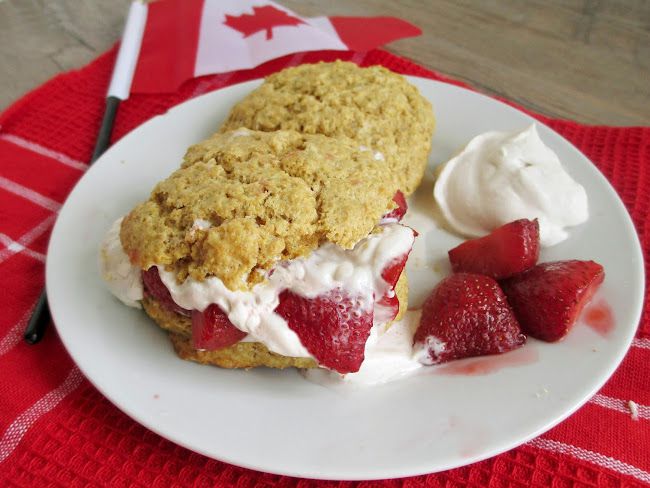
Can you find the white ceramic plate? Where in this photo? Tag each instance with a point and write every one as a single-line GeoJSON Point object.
{"type": "Point", "coordinates": [278, 422]}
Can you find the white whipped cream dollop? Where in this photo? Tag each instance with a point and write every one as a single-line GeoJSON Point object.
{"type": "Point", "coordinates": [500, 177]}
{"type": "Point", "coordinates": [122, 278]}
{"type": "Point", "coordinates": [357, 270]}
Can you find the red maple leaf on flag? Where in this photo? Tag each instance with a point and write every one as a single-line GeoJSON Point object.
{"type": "Point", "coordinates": [262, 18]}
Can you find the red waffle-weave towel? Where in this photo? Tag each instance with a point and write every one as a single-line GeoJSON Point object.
{"type": "Point", "coordinates": [58, 430]}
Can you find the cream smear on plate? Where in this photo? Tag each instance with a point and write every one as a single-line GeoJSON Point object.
{"type": "Point", "coordinates": [504, 176]}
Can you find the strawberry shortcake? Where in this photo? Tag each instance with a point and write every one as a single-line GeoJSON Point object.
{"type": "Point", "coordinates": [275, 249]}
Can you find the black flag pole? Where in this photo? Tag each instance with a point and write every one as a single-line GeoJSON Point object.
{"type": "Point", "coordinates": [118, 90]}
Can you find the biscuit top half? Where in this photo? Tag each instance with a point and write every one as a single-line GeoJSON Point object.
{"type": "Point", "coordinates": [242, 200]}
{"type": "Point", "coordinates": [377, 108]}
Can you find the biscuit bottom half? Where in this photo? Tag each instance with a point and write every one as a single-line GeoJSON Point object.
{"type": "Point", "coordinates": [242, 354]}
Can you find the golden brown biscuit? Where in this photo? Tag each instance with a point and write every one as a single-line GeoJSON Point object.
{"type": "Point", "coordinates": [377, 108]}
{"type": "Point", "coordinates": [263, 197]}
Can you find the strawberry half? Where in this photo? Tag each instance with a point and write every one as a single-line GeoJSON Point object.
{"type": "Point", "coordinates": [330, 326]}
{"type": "Point", "coordinates": [548, 298]}
{"type": "Point", "coordinates": [467, 315]}
{"type": "Point", "coordinates": [211, 329]}
{"type": "Point", "coordinates": [506, 251]}
{"type": "Point", "coordinates": [154, 286]}
{"type": "Point", "coordinates": [397, 213]}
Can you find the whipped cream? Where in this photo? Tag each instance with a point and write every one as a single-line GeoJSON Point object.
{"type": "Point", "coordinates": [357, 270]}
{"type": "Point", "coordinates": [123, 279]}
{"type": "Point", "coordinates": [389, 356]}
{"type": "Point", "coordinates": [500, 177]}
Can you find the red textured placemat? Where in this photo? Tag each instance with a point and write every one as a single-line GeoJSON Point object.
{"type": "Point", "coordinates": [58, 430]}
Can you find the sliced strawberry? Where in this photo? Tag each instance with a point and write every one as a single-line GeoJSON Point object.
{"type": "Point", "coordinates": [211, 329]}
{"type": "Point", "coordinates": [393, 270]}
{"type": "Point", "coordinates": [506, 251]}
{"type": "Point", "coordinates": [398, 212]}
{"type": "Point", "coordinates": [154, 286]}
{"type": "Point", "coordinates": [391, 274]}
{"type": "Point", "coordinates": [332, 327]}
{"type": "Point", "coordinates": [548, 298]}
{"type": "Point", "coordinates": [466, 315]}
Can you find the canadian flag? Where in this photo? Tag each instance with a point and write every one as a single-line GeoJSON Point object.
{"type": "Point", "coordinates": [187, 38]}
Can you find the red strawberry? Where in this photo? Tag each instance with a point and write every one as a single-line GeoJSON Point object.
{"type": "Point", "coordinates": [398, 212]}
{"type": "Point", "coordinates": [391, 274]}
{"type": "Point", "coordinates": [211, 329]}
{"type": "Point", "coordinates": [548, 298]}
{"type": "Point", "coordinates": [393, 270]}
{"type": "Point", "coordinates": [154, 286]}
{"type": "Point", "coordinates": [330, 326]}
{"type": "Point", "coordinates": [467, 315]}
{"type": "Point", "coordinates": [506, 251]}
